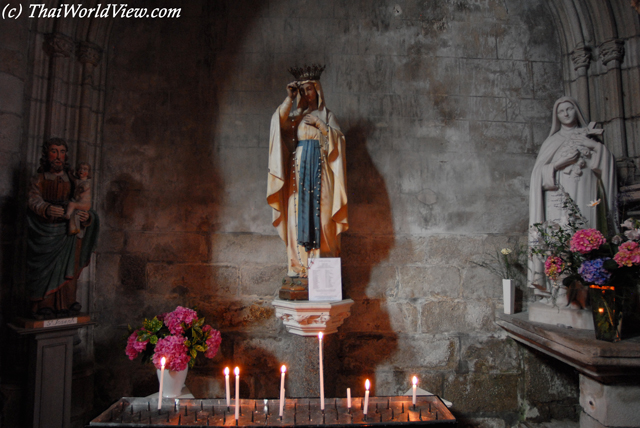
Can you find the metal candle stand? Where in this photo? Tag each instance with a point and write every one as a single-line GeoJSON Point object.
{"type": "Point", "coordinates": [133, 411]}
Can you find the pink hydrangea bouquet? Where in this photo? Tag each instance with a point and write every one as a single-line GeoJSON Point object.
{"type": "Point", "coordinates": [178, 336]}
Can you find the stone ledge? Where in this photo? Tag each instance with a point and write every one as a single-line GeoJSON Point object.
{"type": "Point", "coordinates": [600, 360]}
{"type": "Point", "coordinates": [306, 318]}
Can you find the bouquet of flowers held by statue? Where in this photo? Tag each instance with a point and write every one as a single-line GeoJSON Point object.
{"type": "Point", "coordinates": [179, 336]}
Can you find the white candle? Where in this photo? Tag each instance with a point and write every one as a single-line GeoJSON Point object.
{"type": "Point", "coordinates": [162, 363]}
{"type": "Point", "coordinates": [283, 369]}
{"type": "Point", "coordinates": [366, 396]}
{"type": "Point", "coordinates": [237, 372]}
{"type": "Point", "coordinates": [321, 372]}
{"type": "Point", "coordinates": [226, 379]}
{"type": "Point", "coordinates": [349, 398]}
{"type": "Point", "coordinates": [415, 385]}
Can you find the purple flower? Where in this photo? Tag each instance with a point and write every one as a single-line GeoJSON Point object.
{"type": "Point", "coordinates": [593, 272]}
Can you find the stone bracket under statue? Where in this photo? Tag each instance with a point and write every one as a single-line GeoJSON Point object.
{"type": "Point", "coordinates": [305, 318]}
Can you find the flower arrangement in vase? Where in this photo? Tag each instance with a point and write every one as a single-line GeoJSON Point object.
{"type": "Point", "coordinates": [586, 263]}
{"type": "Point", "coordinates": [179, 336]}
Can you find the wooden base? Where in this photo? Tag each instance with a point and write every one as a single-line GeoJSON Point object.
{"type": "Point", "coordinates": [30, 323]}
{"type": "Point", "coordinates": [294, 289]}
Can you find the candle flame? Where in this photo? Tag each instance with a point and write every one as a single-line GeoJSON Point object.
{"type": "Point", "coordinates": [367, 384]}
{"type": "Point", "coordinates": [415, 380]}
{"type": "Point", "coordinates": [283, 368]}
{"type": "Point", "coordinates": [237, 371]}
{"type": "Point", "coordinates": [601, 310]}
{"type": "Point", "coordinates": [320, 335]}
{"type": "Point", "coordinates": [163, 361]}
{"type": "Point", "coordinates": [226, 371]}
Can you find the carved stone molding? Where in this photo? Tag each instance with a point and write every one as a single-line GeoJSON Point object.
{"type": "Point", "coordinates": [306, 318]}
{"type": "Point", "coordinates": [612, 50]}
{"type": "Point", "coordinates": [581, 56]}
{"type": "Point", "coordinates": [89, 53]}
{"type": "Point", "coordinates": [59, 45]}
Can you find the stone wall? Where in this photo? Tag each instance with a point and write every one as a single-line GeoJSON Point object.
{"type": "Point", "coordinates": [444, 106]}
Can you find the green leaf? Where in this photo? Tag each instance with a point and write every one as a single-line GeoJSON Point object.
{"type": "Point", "coordinates": [199, 323]}
{"type": "Point", "coordinates": [193, 353]}
{"type": "Point", "coordinates": [153, 339]}
{"type": "Point", "coordinates": [187, 343]}
{"type": "Point", "coordinates": [199, 348]}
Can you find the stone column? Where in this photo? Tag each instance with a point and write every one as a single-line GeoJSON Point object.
{"type": "Point", "coordinates": [581, 59]}
{"type": "Point", "coordinates": [89, 55]}
{"type": "Point", "coordinates": [611, 55]}
{"type": "Point", "coordinates": [59, 47]}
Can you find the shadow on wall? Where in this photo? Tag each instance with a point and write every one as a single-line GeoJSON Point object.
{"type": "Point", "coordinates": [367, 337]}
{"type": "Point", "coordinates": [167, 209]}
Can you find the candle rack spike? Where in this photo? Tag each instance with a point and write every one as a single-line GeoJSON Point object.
{"type": "Point", "coordinates": [213, 410]}
{"type": "Point", "coordinates": [252, 417]}
{"type": "Point", "coordinates": [121, 418]}
{"type": "Point", "coordinates": [148, 406]}
{"type": "Point", "coordinates": [392, 414]}
{"type": "Point", "coordinates": [196, 416]}
{"type": "Point", "coordinates": [388, 404]}
{"type": "Point", "coordinates": [408, 418]}
{"type": "Point", "coordinates": [380, 417]}
{"type": "Point", "coordinates": [236, 422]}
{"type": "Point", "coordinates": [402, 407]}
{"type": "Point", "coordinates": [294, 419]}
{"type": "Point", "coordinates": [186, 410]}
{"type": "Point", "coordinates": [179, 419]}
{"type": "Point", "coordinates": [436, 415]}
{"type": "Point", "coordinates": [168, 414]}
{"type": "Point", "coordinates": [207, 420]}
{"type": "Point", "coordinates": [201, 405]}
{"type": "Point", "coordinates": [224, 417]}
{"type": "Point", "coordinates": [323, 422]}
{"type": "Point", "coordinates": [376, 407]}
{"type": "Point", "coordinates": [149, 419]}
{"type": "Point", "coordinates": [429, 407]}
{"type": "Point", "coordinates": [255, 405]}
{"type": "Point", "coordinates": [131, 409]}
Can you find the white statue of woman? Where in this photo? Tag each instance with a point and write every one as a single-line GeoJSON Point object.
{"type": "Point", "coordinates": [306, 186]}
{"type": "Point", "coordinates": [570, 160]}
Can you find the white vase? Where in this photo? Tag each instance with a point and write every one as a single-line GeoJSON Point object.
{"type": "Point", "coordinates": [173, 382]}
{"type": "Point", "coordinates": [509, 295]}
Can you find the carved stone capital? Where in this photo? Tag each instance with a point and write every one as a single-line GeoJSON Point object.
{"type": "Point", "coordinates": [89, 53]}
{"type": "Point", "coordinates": [612, 50]}
{"type": "Point", "coordinates": [306, 318]}
{"type": "Point", "coordinates": [59, 45]}
{"type": "Point", "coordinates": [581, 56]}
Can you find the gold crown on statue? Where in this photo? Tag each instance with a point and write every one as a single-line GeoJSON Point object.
{"type": "Point", "coordinates": [310, 72]}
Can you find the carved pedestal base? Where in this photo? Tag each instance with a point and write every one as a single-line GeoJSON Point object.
{"type": "Point", "coordinates": [306, 318]}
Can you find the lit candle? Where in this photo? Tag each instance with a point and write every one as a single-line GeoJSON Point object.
{"type": "Point", "coordinates": [366, 396]}
{"type": "Point", "coordinates": [226, 379]}
{"type": "Point", "coordinates": [349, 398]}
{"type": "Point", "coordinates": [321, 373]}
{"type": "Point", "coordinates": [283, 369]}
{"type": "Point", "coordinates": [162, 363]}
{"type": "Point", "coordinates": [415, 385]}
{"type": "Point", "coordinates": [237, 372]}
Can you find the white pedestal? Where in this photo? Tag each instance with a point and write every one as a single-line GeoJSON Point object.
{"type": "Point", "coordinates": [306, 318]}
{"type": "Point", "coordinates": [567, 317]}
